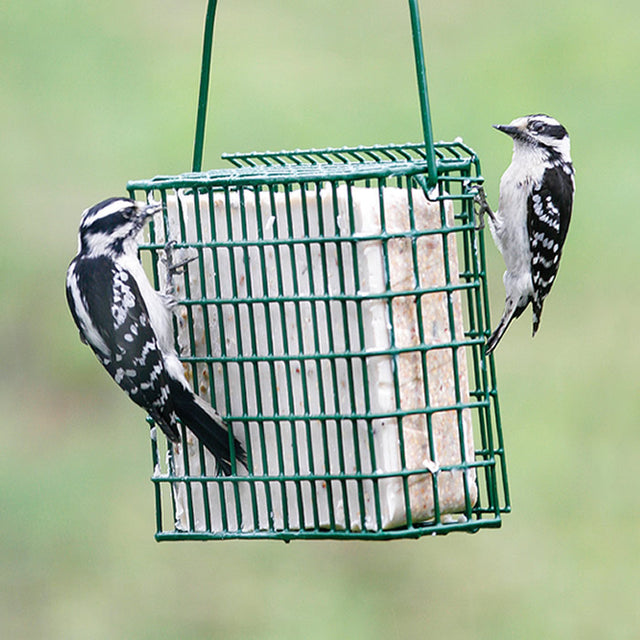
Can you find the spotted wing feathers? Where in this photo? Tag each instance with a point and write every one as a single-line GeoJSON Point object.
{"type": "Point", "coordinates": [549, 213]}
{"type": "Point", "coordinates": [113, 320]}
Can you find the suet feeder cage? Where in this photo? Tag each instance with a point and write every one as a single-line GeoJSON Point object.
{"type": "Point", "coordinates": [335, 317]}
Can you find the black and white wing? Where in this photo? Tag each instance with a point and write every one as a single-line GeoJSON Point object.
{"type": "Point", "coordinates": [549, 213]}
{"type": "Point", "coordinates": [113, 319]}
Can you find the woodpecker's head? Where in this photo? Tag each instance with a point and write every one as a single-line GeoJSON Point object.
{"type": "Point", "coordinates": [111, 226]}
{"type": "Point", "coordinates": [539, 132]}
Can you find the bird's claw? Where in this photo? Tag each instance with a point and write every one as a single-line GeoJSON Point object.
{"type": "Point", "coordinates": [173, 268]}
{"type": "Point", "coordinates": [481, 206]}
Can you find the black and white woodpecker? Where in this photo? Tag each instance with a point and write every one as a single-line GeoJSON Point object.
{"type": "Point", "coordinates": [128, 325]}
{"type": "Point", "coordinates": [532, 219]}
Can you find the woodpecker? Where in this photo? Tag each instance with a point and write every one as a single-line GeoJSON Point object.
{"type": "Point", "coordinates": [534, 211]}
{"type": "Point", "coordinates": [128, 325]}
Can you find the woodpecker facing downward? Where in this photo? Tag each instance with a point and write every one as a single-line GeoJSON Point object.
{"type": "Point", "coordinates": [532, 220]}
{"type": "Point", "coordinates": [127, 324]}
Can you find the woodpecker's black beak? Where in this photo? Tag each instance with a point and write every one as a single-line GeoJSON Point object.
{"type": "Point", "coordinates": [142, 213]}
{"type": "Point", "coordinates": [508, 129]}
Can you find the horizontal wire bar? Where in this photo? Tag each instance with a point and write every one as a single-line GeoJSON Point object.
{"type": "Point", "coordinates": [338, 476]}
{"type": "Point", "coordinates": [454, 148]}
{"type": "Point", "coordinates": [354, 239]}
{"type": "Point", "coordinates": [417, 530]}
{"type": "Point", "coordinates": [239, 301]}
{"type": "Point", "coordinates": [353, 417]}
{"type": "Point", "coordinates": [319, 356]}
{"type": "Point", "coordinates": [296, 173]}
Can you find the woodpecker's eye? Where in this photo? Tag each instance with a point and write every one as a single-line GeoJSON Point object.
{"type": "Point", "coordinates": [535, 126]}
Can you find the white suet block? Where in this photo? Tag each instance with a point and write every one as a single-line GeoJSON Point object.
{"type": "Point", "coordinates": [317, 299]}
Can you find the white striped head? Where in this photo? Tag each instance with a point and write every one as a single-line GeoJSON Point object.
{"type": "Point", "coordinates": [539, 131]}
{"type": "Point", "coordinates": [111, 226]}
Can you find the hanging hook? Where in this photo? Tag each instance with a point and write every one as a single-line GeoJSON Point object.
{"type": "Point", "coordinates": [421, 76]}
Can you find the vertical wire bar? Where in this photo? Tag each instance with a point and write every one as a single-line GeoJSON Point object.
{"type": "Point", "coordinates": [279, 307]}
{"type": "Point", "coordinates": [223, 248]}
{"type": "Point", "coordinates": [270, 350]}
{"type": "Point", "coordinates": [498, 453]}
{"type": "Point", "coordinates": [170, 446]}
{"type": "Point", "coordinates": [254, 344]}
{"type": "Point", "coordinates": [316, 344]}
{"type": "Point", "coordinates": [424, 355]}
{"type": "Point", "coordinates": [153, 427]}
{"type": "Point", "coordinates": [185, 448]}
{"type": "Point", "coordinates": [333, 316]}
{"type": "Point", "coordinates": [471, 275]}
{"type": "Point", "coordinates": [494, 392]}
{"type": "Point", "coordinates": [373, 477]}
{"type": "Point", "coordinates": [331, 362]}
{"type": "Point", "coordinates": [170, 451]}
{"type": "Point", "coordinates": [224, 352]}
{"type": "Point", "coordinates": [421, 75]}
{"type": "Point", "coordinates": [394, 346]}
{"type": "Point", "coordinates": [361, 362]}
{"type": "Point", "coordinates": [187, 290]}
{"type": "Point", "coordinates": [344, 249]}
{"type": "Point", "coordinates": [414, 238]}
{"type": "Point", "coordinates": [471, 270]}
{"type": "Point", "coordinates": [490, 469]}
{"type": "Point", "coordinates": [455, 349]}
{"type": "Point", "coordinates": [433, 453]}
{"type": "Point", "coordinates": [356, 424]}
{"type": "Point", "coordinates": [192, 352]}
{"type": "Point", "coordinates": [205, 282]}
{"type": "Point", "coordinates": [205, 76]}
{"type": "Point", "coordinates": [461, 351]}
{"type": "Point", "coordinates": [292, 363]}
{"type": "Point", "coordinates": [157, 486]}
{"type": "Point", "coordinates": [205, 325]}
{"type": "Point", "coordinates": [490, 374]}
{"type": "Point", "coordinates": [393, 350]}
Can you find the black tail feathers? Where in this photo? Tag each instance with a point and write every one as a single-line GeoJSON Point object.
{"type": "Point", "coordinates": [208, 427]}
{"type": "Point", "coordinates": [511, 312]}
{"type": "Point", "coordinates": [496, 336]}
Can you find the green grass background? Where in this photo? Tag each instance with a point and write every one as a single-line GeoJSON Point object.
{"type": "Point", "coordinates": [93, 94]}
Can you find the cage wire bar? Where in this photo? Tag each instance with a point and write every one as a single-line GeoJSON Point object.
{"type": "Point", "coordinates": [335, 315]}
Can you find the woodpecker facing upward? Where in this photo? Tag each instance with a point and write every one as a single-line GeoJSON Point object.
{"type": "Point", "coordinates": [532, 220]}
{"type": "Point", "coordinates": [128, 325]}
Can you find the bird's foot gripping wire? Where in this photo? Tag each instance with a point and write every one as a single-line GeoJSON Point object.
{"type": "Point", "coordinates": [173, 268]}
{"type": "Point", "coordinates": [481, 206]}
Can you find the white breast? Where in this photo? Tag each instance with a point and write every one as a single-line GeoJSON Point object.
{"type": "Point", "coordinates": [510, 229]}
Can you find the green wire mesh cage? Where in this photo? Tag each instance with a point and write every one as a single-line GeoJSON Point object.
{"type": "Point", "coordinates": [335, 316]}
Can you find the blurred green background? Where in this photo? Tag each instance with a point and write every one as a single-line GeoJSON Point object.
{"type": "Point", "coordinates": [94, 94]}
